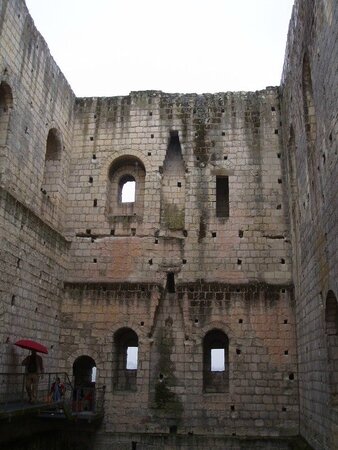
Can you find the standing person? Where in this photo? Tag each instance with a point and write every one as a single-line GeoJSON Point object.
{"type": "Point", "coordinates": [57, 390]}
{"type": "Point", "coordinates": [34, 367]}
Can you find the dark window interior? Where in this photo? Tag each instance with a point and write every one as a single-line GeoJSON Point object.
{"type": "Point", "coordinates": [222, 196]}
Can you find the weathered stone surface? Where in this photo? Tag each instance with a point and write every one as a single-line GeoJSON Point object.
{"type": "Point", "coordinates": [309, 98]}
{"type": "Point", "coordinates": [233, 232]}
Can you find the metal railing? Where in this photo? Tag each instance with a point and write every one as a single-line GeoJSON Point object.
{"type": "Point", "coordinates": [88, 399]}
{"type": "Point", "coordinates": [74, 400]}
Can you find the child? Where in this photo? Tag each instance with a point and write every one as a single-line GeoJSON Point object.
{"type": "Point", "coordinates": [57, 390]}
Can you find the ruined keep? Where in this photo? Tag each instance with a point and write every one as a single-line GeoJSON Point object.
{"type": "Point", "coordinates": [228, 249]}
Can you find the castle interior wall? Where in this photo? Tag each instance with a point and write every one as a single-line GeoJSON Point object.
{"type": "Point", "coordinates": [207, 303]}
{"type": "Point", "coordinates": [309, 115]}
{"type": "Point", "coordinates": [35, 100]}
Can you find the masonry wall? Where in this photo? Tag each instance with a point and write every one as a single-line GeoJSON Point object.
{"type": "Point", "coordinates": [33, 258]}
{"type": "Point", "coordinates": [234, 135]}
{"type": "Point", "coordinates": [168, 268]}
{"type": "Point", "coordinates": [261, 399]}
{"type": "Point", "coordinates": [35, 98]}
{"type": "Point", "coordinates": [309, 115]}
{"type": "Point", "coordinates": [80, 268]}
{"type": "Point", "coordinates": [41, 100]}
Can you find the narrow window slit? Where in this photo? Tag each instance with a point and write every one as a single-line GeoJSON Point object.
{"type": "Point", "coordinates": [170, 282]}
{"type": "Point", "coordinates": [222, 196]}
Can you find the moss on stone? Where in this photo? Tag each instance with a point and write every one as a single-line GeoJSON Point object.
{"type": "Point", "coordinates": [173, 217]}
{"type": "Point", "coordinates": [165, 399]}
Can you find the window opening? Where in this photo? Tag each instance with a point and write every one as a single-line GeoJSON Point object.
{"type": "Point", "coordinates": [53, 146]}
{"type": "Point", "coordinates": [222, 196]}
{"type": "Point", "coordinates": [126, 359]}
{"type": "Point", "coordinates": [217, 360]}
{"type": "Point", "coordinates": [52, 171]}
{"type": "Point", "coordinates": [94, 374]}
{"type": "Point", "coordinates": [132, 356]}
{"type": "Point", "coordinates": [128, 191]}
{"type": "Point", "coordinates": [171, 282]}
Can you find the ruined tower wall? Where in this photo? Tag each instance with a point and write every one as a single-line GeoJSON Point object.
{"type": "Point", "coordinates": [234, 135]}
{"type": "Point", "coordinates": [41, 101]}
{"type": "Point", "coordinates": [261, 396]}
{"type": "Point", "coordinates": [33, 258]}
{"type": "Point", "coordinates": [309, 114]}
{"type": "Point", "coordinates": [200, 261]}
{"type": "Point", "coordinates": [229, 271]}
{"type": "Point", "coordinates": [35, 98]}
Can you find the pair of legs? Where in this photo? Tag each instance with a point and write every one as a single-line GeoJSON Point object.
{"type": "Point", "coordinates": [32, 380]}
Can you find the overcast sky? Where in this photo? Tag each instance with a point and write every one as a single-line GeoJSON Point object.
{"type": "Point", "coordinates": [112, 47]}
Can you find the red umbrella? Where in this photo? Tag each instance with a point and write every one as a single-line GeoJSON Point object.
{"type": "Point", "coordinates": [31, 345]}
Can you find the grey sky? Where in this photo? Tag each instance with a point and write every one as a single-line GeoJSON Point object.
{"type": "Point", "coordinates": [112, 47]}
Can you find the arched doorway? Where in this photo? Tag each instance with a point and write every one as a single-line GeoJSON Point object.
{"type": "Point", "coordinates": [84, 376]}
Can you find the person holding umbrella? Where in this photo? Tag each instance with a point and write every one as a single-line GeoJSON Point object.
{"type": "Point", "coordinates": [34, 367]}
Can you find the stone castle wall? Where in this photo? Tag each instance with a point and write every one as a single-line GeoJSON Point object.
{"type": "Point", "coordinates": [35, 98]}
{"type": "Point", "coordinates": [234, 135]}
{"type": "Point", "coordinates": [33, 260]}
{"type": "Point", "coordinates": [174, 229]}
{"type": "Point", "coordinates": [229, 244]}
{"type": "Point", "coordinates": [41, 100]}
{"type": "Point", "coordinates": [261, 398]}
{"type": "Point", "coordinates": [309, 115]}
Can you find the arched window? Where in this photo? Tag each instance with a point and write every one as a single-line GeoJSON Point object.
{"type": "Point", "coordinates": [215, 361]}
{"type": "Point", "coordinates": [126, 179]}
{"type": "Point", "coordinates": [331, 323]}
{"type": "Point", "coordinates": [6, 104]}
{"type": "Point", "coordinates": [126, 359]}
{"type": "Point", "coordinates": [127, 187]}
{"type": "Point", "coordinates": [52, 172]}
